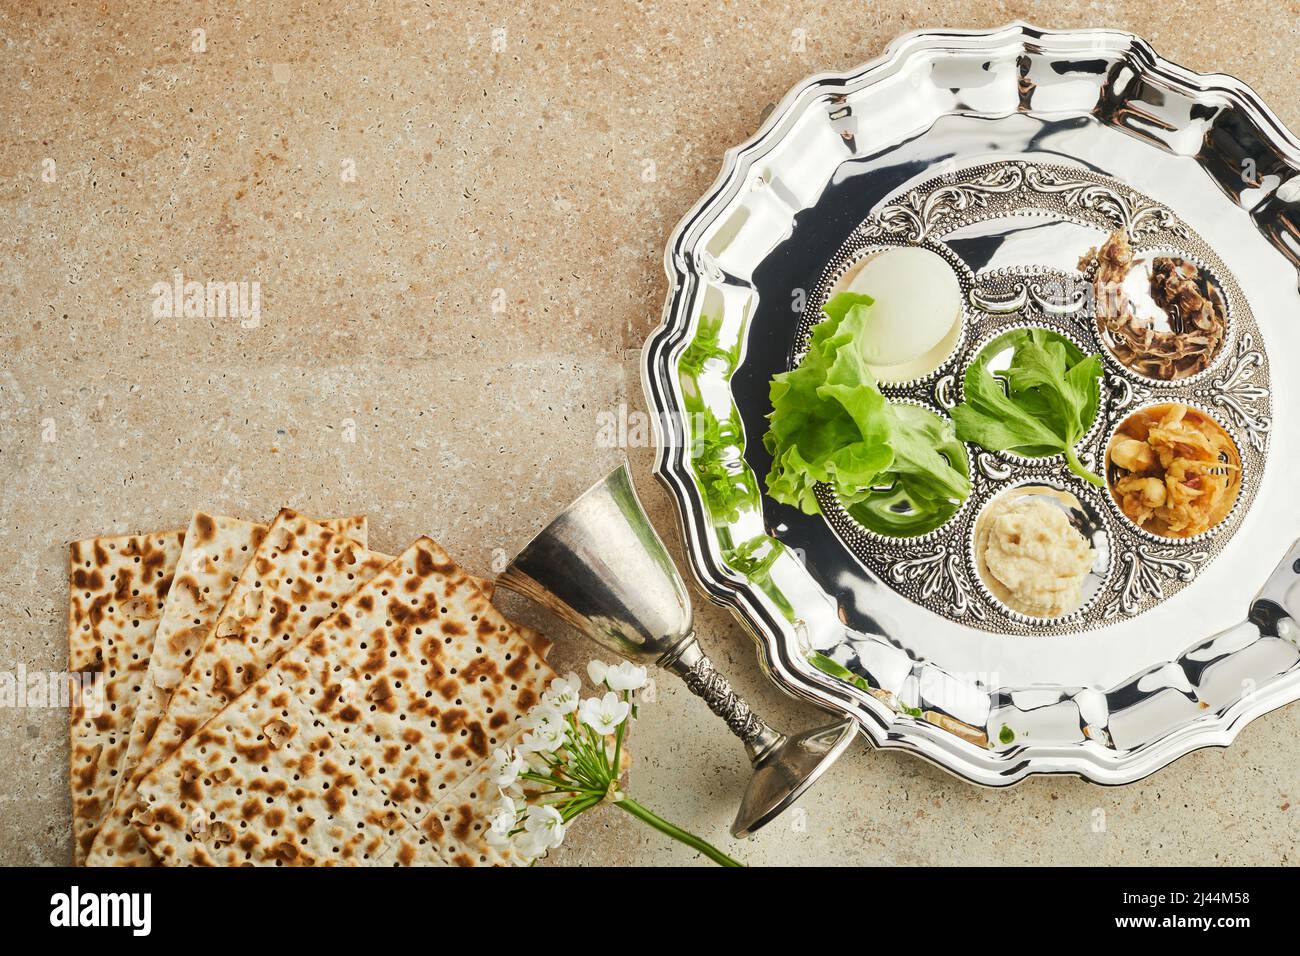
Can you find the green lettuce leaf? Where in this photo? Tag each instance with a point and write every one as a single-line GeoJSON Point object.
{"type": "Point", "coordinates": [830, 423]}
{"type": "Point", "coordinates": [1047, 404]}
{"type": "Point", "coordinates": [929, 477]}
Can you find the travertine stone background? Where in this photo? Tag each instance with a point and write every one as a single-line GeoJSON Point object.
{"type": "Point", "coordinates": [458, 252]}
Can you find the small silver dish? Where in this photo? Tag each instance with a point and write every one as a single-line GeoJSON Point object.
{"type": "Point", "coordinates": [998, 364]}
{"type": "Point", "coordinates": [1086, 514]}
{"type": "Point", "coordinates": [1224, 526]}
{"type": "Point", "coordinates": [1137, 289]}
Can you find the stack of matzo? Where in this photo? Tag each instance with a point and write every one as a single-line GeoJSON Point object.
{"type": "Point", "coordinates": [217, 555]}
{"type": "Point", "coordinates": [306, 701]}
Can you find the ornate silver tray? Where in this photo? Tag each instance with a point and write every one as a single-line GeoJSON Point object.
{"type": "Point", "coordinates": [1010, 153]}
{"type": "Point", "coordinates": [972, 209]}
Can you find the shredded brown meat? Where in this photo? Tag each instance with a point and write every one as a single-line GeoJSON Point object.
{"type": "Point", "coordinates": [1197, 324]}
{"type": "Point", "coordinates": [1174, 471]}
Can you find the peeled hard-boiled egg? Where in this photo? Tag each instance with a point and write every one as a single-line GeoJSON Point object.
{"type": "Point", "coordinates": [916, 317]}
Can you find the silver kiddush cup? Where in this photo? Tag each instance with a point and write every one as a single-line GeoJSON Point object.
{"type": "Point", "coordinates": [601, 567]}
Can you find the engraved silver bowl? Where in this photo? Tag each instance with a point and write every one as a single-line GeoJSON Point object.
{"type": "Point", "coordinates": [1014, 150]}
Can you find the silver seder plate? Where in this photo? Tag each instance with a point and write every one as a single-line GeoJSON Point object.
{"type": "Point", "coordinates": [1011, 153]}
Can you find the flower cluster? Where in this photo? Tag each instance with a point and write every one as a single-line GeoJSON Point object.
{"type": "Point", "coordinates": [568, 761]}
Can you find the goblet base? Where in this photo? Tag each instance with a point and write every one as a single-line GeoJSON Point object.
{"type": "Point", "coordinates": [788, 769]}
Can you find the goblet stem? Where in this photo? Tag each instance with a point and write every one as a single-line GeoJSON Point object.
{"type": "Point", "coordinates": [689, 662]}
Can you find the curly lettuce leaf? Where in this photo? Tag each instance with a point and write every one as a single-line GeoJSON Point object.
{"type": "Point", "coordinates": [925, 490]}
{"type": "Point", "coordinates": [1048, 402]}
{"type": "Point", "coordinates": [830, 423]}
{"type": "Point", "coordinates": [928, 454]}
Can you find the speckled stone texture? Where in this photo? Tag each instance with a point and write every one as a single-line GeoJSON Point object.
{"type": "Point", "coordinates": [458, 255]}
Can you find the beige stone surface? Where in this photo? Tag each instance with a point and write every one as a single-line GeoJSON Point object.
{"type": "Point", "coordinates": [458, 258]}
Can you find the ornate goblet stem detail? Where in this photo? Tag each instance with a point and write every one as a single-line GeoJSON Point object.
{"type": "Point", "coordinates": [695, 669]}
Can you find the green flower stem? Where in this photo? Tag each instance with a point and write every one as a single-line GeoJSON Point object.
{"type": "Point", "coordinates": [677, 833]}
{"type": "Point", "coordinates": [580, 763]}
{"type": "Point", "coordinates": [618, 741]}
{"type": "Point", "coordinates": [579, 806]}
{"type": "Point", "coordinates": [582, 756]}
{"type": "Point", "coordinates": [559, 784]}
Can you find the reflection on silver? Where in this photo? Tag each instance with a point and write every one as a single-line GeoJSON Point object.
{"type": "Point", "coordinates": [1110, 135]}
{"type": "Point", "coordinates": [600, 566]}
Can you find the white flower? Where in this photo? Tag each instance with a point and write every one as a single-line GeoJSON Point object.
{"type": "Point", "coordinates": [502, 821]}
{"type": "Point", "coordinates": [506, 767]}
{"type": "Point", "coordinates": [534, 761]}
{"type": "Point", "coordinates": [548, 730]}
{"type": "Point", "coordinates": [535, 743]}
{"type": "Point", "coordinates": [604, 714]}
{"type": "Point", "coordinates": [545, 825]}
{"type": "Point", "coordinates": [525, 844]}
{"type": "Point", "coordinates": [621, 676]}
{"type": "Point", "coordinates": [543, 713]}
{"type": "Point", "coordinates": [563, 693]}
{"type": "Point", "coordinates": [625, 676]}
{"type": "Point", "coordinates": [543, 830]}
